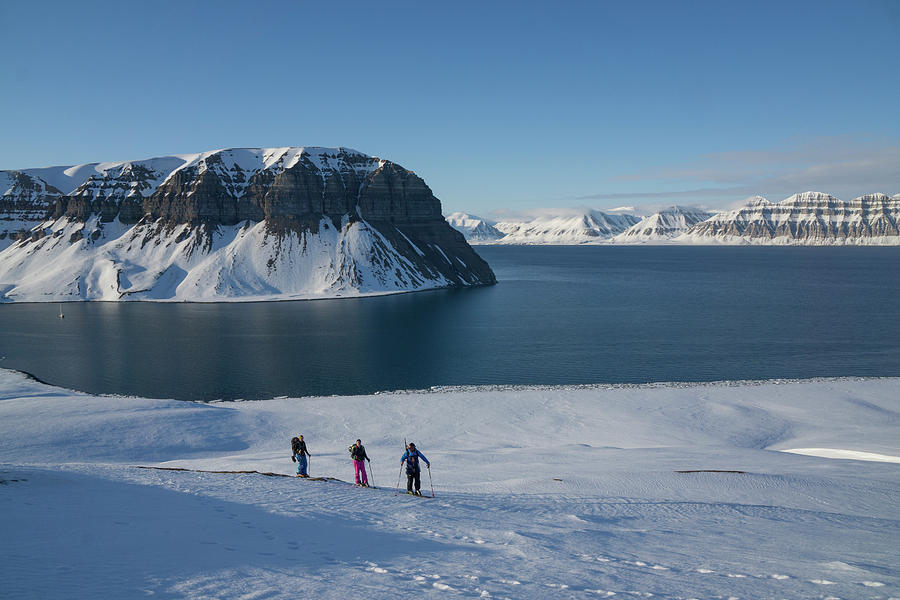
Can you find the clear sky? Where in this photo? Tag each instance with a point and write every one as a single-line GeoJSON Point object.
{"type": "Point", "coordinates": [500, 106]}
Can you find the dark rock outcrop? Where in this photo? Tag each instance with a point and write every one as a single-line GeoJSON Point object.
{"type": "Point", "coordinates": [290, 189]}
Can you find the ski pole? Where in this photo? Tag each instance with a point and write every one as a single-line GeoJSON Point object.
{"type": "Point", "coordinates": [431, 482]}
{"type": "Point", "coordinates": [397, 492]}
{"type": "Point", "coordinates": [372, 473]}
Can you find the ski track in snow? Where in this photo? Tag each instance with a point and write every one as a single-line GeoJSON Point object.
{"type": "Point", "coordinates": [539, 494]}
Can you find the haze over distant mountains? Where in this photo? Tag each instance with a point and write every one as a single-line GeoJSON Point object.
{"type": "Point", "coordinates": [810, 218]}
{"type": "Point", "coordinates": [235, 224]}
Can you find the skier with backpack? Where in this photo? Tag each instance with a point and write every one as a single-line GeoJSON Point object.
{"type": "Point", "coordinates": [299, 454]}
{"type": "Point", "coordinates": [358, 454]}
{"type": "Point", "coordinates": [411, 458]}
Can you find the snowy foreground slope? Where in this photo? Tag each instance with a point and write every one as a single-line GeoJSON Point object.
{"type": "Point", "coordinates": [541, 493]}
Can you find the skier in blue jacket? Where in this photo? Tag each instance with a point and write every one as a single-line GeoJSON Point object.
{"type": "Point", "coordinates": [411, 457]}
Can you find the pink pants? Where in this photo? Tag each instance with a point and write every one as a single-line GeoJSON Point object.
{"type": "Point", "coordinates": [360, 468]}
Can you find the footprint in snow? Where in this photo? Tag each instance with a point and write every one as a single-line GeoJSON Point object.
{"type": "Point", "coordinates": [737, 576]}
{"type": "Point", "coordinates": [821, 581]}
{"type": "Point", "coordinates": [777, 576]}
{"type": "Point", "coordinates": [872, 584]}
{"type": "Point", "coordinates": [705, 571]}
{"type": "Point", "coordinates": [442, 586]}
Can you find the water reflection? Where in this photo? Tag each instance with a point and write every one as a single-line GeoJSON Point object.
{"type": "Point", "coordinates": [559, 315]}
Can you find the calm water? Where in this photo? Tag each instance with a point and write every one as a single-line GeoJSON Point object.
{"type": "Point", "coordinates": [558, 315]}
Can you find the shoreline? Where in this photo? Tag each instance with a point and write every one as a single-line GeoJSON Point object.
{"type": "Point", "coordinates": [494, 388]}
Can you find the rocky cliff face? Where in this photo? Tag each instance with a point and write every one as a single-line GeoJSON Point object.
{"type": "Point", "coordinates": [375, 226]}
{"type": "Point", "coordinates": [25, 202]}
{"type": "Point", "coordinates": [810, 218]}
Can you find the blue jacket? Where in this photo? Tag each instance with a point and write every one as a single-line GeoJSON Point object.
{"type": "Point", "coordinates": [412, 460]}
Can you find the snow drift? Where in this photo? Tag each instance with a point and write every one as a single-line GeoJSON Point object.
{"type": "Point", "coordinates": [673, 491]}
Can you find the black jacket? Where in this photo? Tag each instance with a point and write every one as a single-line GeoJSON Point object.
{"type": "Point", "coordinates": [298, 447]}
{"type": "Point", "coordinates": [358, 452]}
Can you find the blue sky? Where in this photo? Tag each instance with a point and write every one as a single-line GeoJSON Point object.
{"type": "Point", "coordinates": [501, 107]}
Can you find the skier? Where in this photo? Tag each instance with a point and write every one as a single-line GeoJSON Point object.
{"type": "Point", "coordinates": [358, 454]}
{"type": "Point", "coordinates": [412, 456]}
{"type": "Point", "coordinates": [299, 454]}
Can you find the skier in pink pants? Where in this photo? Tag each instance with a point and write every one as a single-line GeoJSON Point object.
{"type": "Point", "coordinates": [358, 454]}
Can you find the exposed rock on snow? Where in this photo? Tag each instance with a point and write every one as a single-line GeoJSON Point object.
{"type": "Point", "coordinates": [237, 224]}
{"type": "Point", "coordinates": [25, 202]}
{"type": "Point", "coordinates": [663, 225]}
{"type": "Point", "coordinates": [475, 229]}
{"type": "Point", "coordinates": [810, 218]}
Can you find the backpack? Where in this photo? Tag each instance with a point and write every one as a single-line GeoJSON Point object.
{"type": "Point", "coordinates": [412, 462]}
{"type": "Point", "coordinates": [295, 445]}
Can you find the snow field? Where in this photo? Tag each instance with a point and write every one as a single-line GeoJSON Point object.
{"type": "Point", "coordinates": [541, 493]}
{"type": "Point", "coordinates": [244, 263]}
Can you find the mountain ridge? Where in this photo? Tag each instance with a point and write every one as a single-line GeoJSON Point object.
{"type": "Point", "coordinates": [809, 218]}
{"type": "Point", "coordinates": [585, 227]}
{"type": "Point", "coordinates": [247, 218]}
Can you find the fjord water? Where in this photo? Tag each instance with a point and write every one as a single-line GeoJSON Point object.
{"type": "Point", "coordinates": [559, 315]}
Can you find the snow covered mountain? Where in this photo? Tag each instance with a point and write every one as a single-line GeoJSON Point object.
{"type": "Point", "coordinates": [25, 201]}
{"type": "Point", "coordinates": [810, 218]}
{"type": "Point", "coordinates": [235, 224]}
{"type": "Point", "coordinates": [663, 225]}
{"type": "Point", "coordinates": [475, 229]}
{"type": "Point", "coordinates": [587, 227]}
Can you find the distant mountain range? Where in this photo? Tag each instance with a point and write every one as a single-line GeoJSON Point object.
{"type": "Point", "coordinates": [235, 224]}
{"type": "Point", "coordinates": [585, 228]}
{"type": "Point", "coordinates": [663, 225]}
{"type": "Point", "coordinates": [810, 218]}
{"type": "Point", "coordinates": [475, 229]}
